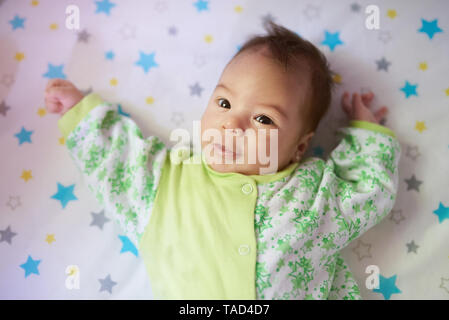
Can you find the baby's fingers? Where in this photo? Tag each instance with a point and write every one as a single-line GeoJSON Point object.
{"type": "Point", "coordinates": [57, 82]}
{"type": "Point", "coordinates": [381, 113]}
{"type": "Point", "coordinates": [367, 98]}
{"type": "Point", "coordinates": [345, 103]}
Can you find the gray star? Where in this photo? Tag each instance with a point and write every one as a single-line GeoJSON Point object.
{"type": "Point", "coordinates": [384, 36]}
{"type": "Point", "coordinates": [1, 2]}
{"type": "Point", "coordinates": [195, 89]}
{"type": "Point", "coordinates": [7, 80]}
{"type": "Point", "coordinates": [355, 7]}
{"type": "Point", "coordinates": [13, 202]}
{"type": "Point", "coordinates": [172, 30]}
{"type": "Point", "coordinates": [4, 108]}
{"type": "Point", "coordinates": [396, 216]}
{"type": "Point", "coordinates": [7, 235]}
{"type": "Point", "coordinates": [160, 6]}
{"type": "Point", "coordinates": [412, 152]}
{"type": "Point", "coordinates": [177, 118]}
{"type": "Point", "coordinates": [107, 284]}
{"type": "Point", "coordinates": [99, 219]}
{"type": "Point", "coordinates": [412, 247]}
{"type": "Point", "coordinates": [266, 18]}
{"type": "Point", "coordinates": [382, 64]}
{"type": "Point", "coordinates": [199, 61]}
{"type": "Point", "coordinates": [83, 36]}
{"type": "Point", "coordinates": [412, 183]}
{"type": "Point", "coordinates": [444, 286]}
{"type": "Point", "coordinates": [366, 252]}
{"type": "Point", "coordinates": [128, 31]}
{"type": "Point", "coordinates": [312, 12]}
{"type": "Point", "coordinates": [87, 91]}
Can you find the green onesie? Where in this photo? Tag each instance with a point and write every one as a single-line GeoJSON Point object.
{"type": "Point", "coordinates": [204, 234]}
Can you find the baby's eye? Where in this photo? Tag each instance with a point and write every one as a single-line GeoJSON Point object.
{"type": "Point", "coordinates": [267, 119]}
{"type": "Point", "coordinates": [223, 100]}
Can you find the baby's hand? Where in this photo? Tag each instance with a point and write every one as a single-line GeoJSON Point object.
{"type": "Point", "coordinates": [61, 95]}
{"type": "Point", "coordinates": [359, 108]}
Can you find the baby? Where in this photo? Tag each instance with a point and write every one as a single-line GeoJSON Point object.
{"type": "Point", "coordinates": [222, 230]}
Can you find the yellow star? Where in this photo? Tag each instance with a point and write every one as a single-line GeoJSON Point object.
{"type": "Point", "coordinates": [41, 112]}
{"type": "Point", "coordinates": [26, 175]}
{"type": "Point", "coordinates": [238, 9]}
{"type": "Point", "coordinates": [447, 92]}
{"type": "Point", "coordinates": [420, 126]}
{"type": "Point", "coordinates": [61, 140]}
{"type": "Point", "coordinates": [34, 3]}
{"type": "Point", "coordinates": [50, 238]}
{"type": "Point", "coordinates": [113, 82]}
{"type": "Point", "coordinates": [391, 13]}
{"type": "Point", "coordinates": [149, 100]}
{"type": "Point", "coordinates": [208, 38]}
{"type": "Point", "coordinates": [337, 78]}
{"type": "Point", "coordinates": [19, 56]}
{"type": "Point", "coordinates": [54, 26]}
{"type": "Point", "coordinates": [423, 66]}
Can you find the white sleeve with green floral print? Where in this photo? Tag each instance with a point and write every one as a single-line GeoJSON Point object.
{"type": "Point", "coordinates": [121, 168]}
{"type": "Point", "coordinates": [303, 221]}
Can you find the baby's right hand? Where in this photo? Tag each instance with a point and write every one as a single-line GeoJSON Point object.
{"type": "Point", "coordinates": [61, 95]}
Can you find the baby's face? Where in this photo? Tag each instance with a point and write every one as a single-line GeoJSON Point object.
{"type": "Point", "coordinates": [253, 93]}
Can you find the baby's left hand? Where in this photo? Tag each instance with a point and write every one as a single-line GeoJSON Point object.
{"type": "Point", "coordinates": [359, 109]}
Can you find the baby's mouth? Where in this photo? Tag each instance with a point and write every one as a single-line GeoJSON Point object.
{"type": "Point", "coordinates": [222, 149]}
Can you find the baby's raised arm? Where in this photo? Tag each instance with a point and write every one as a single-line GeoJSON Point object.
{"type": "Point", "coordinates": [121, 167]}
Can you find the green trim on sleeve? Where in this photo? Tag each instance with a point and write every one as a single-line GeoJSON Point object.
{"type": "Point", "coordinates": [71, 118]}
{"type": "Point", "coordinates": [371, 126]}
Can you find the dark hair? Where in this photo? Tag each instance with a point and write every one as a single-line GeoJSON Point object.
{"type": "Point", "coordinates": [290, 51]}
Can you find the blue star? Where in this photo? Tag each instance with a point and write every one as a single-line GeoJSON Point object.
{"type": "Point", "coordinates": [127, 245]}
{"type": "Point", "coordinates": [442, 212]}
{"type": "Point", "coordinates": [54, 72]}
{"type": "Point", "coordinates": [318, 151]}
{"type": "Point", "coordinates": [387, 286]}
{"type": "Point", "coordinates": [17, 22]}
{"type": "Point", "coordinates": [30, 266]}
{"type": "Point", "coordinates": [104, 6]}
{"type": "Point", "coordinates": [332, 39]}
{"type": "Point", "coordinates": [120, 111]}
{"type": "Point", "coordinates": [146, 61]}
{"type": "Point", "coordinates": [409, 89]}
{"type": "Point", "coordinates": [64, 194]}
{"type": "Point", "coordinates": [201, 5]}
{"type": "Point", "coordinates": [430, 27]}
{"type": "Point", "coordinates": [110, 55]}
{"type": "Point", "coordinates": [24, 136]}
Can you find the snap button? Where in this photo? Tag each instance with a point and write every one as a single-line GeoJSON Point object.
{"type": "Point", "coordinates": [247, 188]}
{"type": "Point", "coordinates": [244, 249]}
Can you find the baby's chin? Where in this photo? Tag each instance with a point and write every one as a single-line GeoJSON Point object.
{"type": "Point", "coordinates": [238, 167]}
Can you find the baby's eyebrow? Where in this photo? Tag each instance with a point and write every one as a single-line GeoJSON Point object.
{"type": "Point", "coordinates": [275, 107]}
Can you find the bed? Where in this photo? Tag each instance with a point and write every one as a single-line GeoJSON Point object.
{"type": "Point", "coordinates": [159, 62]}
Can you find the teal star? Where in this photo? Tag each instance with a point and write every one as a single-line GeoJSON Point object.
{"type": "Point", "coordinates": [30, 266]}
{"type": "Point", "coordinates": [387, 286]}
{"type": "Point", "coordinates": [104, 6]}
{"type": "Point", "coordinates": [201, 5]}
{"type": "Point", "coordinates": [430, 27]}
{"type": "Point", "coordinates": [442, 212]}
{"type": "Point", "coordinates": [64, 194]}
{"type": "Point", "coordinates": [332, 39]}
{"type": "Point", "coordinates": [409, 89]}
{"type": "Point", "coordinates": [110, 55]}
{"type": "Point", "coordinates": [24, 136]}
{"type": "Point", "coordinates": [146, 61]}
{"type": "Point", "coordinates": [54, 72]}
{"type": "Point", "coordinates": [123, 113]}
{"type": "Point", "coordinates": [127, 245]}
{"type": "Point", "coordinates": [17, 22]}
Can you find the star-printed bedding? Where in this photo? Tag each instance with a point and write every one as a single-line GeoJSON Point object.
{"type": "Point", "coordinates": [159, 61]}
